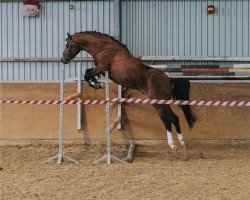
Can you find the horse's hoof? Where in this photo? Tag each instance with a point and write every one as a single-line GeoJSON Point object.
{"type": "Point", "coordinates": [102, 86]}
{"type": "Point", "coordinates": [96, 86]}
{"type": "Point", "coordinates": [172, 146]}
{"type": "Point", "coordinates": [183, 144]}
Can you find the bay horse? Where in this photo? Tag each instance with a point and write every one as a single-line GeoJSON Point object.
{"type": "Point", "coordinates": [128, 71]}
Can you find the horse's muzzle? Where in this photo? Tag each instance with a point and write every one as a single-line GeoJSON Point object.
{"type": "Point", "coordinates": [64, 61]}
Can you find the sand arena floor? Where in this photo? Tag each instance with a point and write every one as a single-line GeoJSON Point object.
{"type": "Point", "coordinates": [199, 172]}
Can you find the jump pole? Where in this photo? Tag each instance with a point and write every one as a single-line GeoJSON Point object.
{"type": "Point", "coordinates": [108, 156]}
{"type": "Point", "coordinates": [60, 155]}
{"type": "Point", "coordinates": [79, 76]}
{"type": "Point", "coordinates": [119, 109]}
{"type": "Point", "coordinates": [117, 124]}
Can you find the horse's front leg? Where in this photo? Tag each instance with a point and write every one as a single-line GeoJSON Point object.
{"type": "Point", "coordinates": [91, 79]}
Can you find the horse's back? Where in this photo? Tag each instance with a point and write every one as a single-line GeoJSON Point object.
{"type": "Point", "coordinates": [128, 71]}
{"type": "Point", "coordinates": [132, 73]}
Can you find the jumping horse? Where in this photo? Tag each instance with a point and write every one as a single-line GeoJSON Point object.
{"type": "Point", "coordinates": [128, 71]}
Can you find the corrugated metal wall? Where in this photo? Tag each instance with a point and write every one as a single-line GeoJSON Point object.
{"type": "Point", "coordinates": [183, 27]}
{"type": "Point", "coordinates": [44, 36]}
{"type": "Point", "coordinates": [148, 27]}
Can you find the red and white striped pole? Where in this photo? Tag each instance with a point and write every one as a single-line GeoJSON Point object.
{"type": "Point", "coordinates": [130, 100]}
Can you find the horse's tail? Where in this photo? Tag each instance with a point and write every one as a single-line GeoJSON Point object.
{"type": "Point", "coordinates": [181, 88]}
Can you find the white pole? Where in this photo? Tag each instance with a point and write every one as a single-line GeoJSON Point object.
{"type": "Point", "coordinates": [79, 75]}
{"type": "Point", "coordinates": [108, 130]}
{"type": "Point", "coordinates": [60, 150]}
{"type": "Point", "coordinates": [119, 111]}
{"type": "Point", "coordinates": [107, 117]}
{"type": "Point", "coordinates": [60, 155]}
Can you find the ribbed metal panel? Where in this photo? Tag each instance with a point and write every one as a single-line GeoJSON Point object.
{"type": "Point", "coordinates": [44, 36]}
{"type": "Point", "coordinates": [183, 27]}
{"type": "Point", "coordinates": [148, 27]}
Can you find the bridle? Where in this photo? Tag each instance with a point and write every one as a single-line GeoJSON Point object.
{"type": "Point", "coordinates": [67, 53]}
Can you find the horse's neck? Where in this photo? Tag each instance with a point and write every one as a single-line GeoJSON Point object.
{"type": "Point", "coordinates": [106, 53]}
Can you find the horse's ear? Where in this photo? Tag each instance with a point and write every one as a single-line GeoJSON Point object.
{"type": "Point", "coordinates": [69, 36]}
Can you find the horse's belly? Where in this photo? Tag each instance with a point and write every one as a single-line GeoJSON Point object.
{"type": "Point", "coordinates": [125, 78]}
{"type": "Point", "coordinates": [124, 81]}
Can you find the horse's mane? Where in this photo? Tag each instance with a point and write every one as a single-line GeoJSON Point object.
{"type": "Point", "coordinates": [105, 35]}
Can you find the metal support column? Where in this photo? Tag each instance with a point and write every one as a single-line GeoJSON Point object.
{"type": "Point", "coordinates": [108, 131]}
{"type": "Point", "coordinates": [119, 108]}
{"type": "Point", "coordinates": [107, 118]}
{"type": "Point", "coordinates": [79, 114]}
{"type": "Point", "coordinates": [117, 18]}
{"type": "Point", "coordinates": [117, 30]}
{"type": "Point", "coordinates": [60, 155]}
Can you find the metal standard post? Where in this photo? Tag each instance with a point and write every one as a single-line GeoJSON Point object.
{"type": "Point", "coordinates": [107, 117]}
{"type": "Point", "coordinates": [60, 146]}
{"type": "Point", "coordinates": [119, 111]}
{"type": "Point", "coordinates": [60, 155]}
{"type": "Point", "coordinates": [79, 75]}
{"type": "Point", "coordinates": [108, 131]}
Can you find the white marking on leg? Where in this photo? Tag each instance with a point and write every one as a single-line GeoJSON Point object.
{"type": "Point", "coordinates": [170, 140]}
{"type": "Point", "coordinates": [180, 138]}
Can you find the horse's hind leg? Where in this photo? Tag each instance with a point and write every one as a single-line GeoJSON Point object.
{"type": "Point", "coordinates": [168, 117]}
{"type": "Point", "coordinates": [176, 123]}
{"type": "Point", "coordinates": [159, 87]}
{"type": "Point", "coordinates": [165, 115]}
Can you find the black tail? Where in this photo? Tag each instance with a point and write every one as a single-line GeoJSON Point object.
{"type": "Point", "coordinates": [181, 87]}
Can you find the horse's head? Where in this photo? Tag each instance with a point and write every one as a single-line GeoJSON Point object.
{"type": "Point", "coordinates": [71, 50]}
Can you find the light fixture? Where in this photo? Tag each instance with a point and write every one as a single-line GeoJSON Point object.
{"type": "Point", "coordinates": [71, 6]}
{"type": "Point", "coordinates": [211, 9]}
